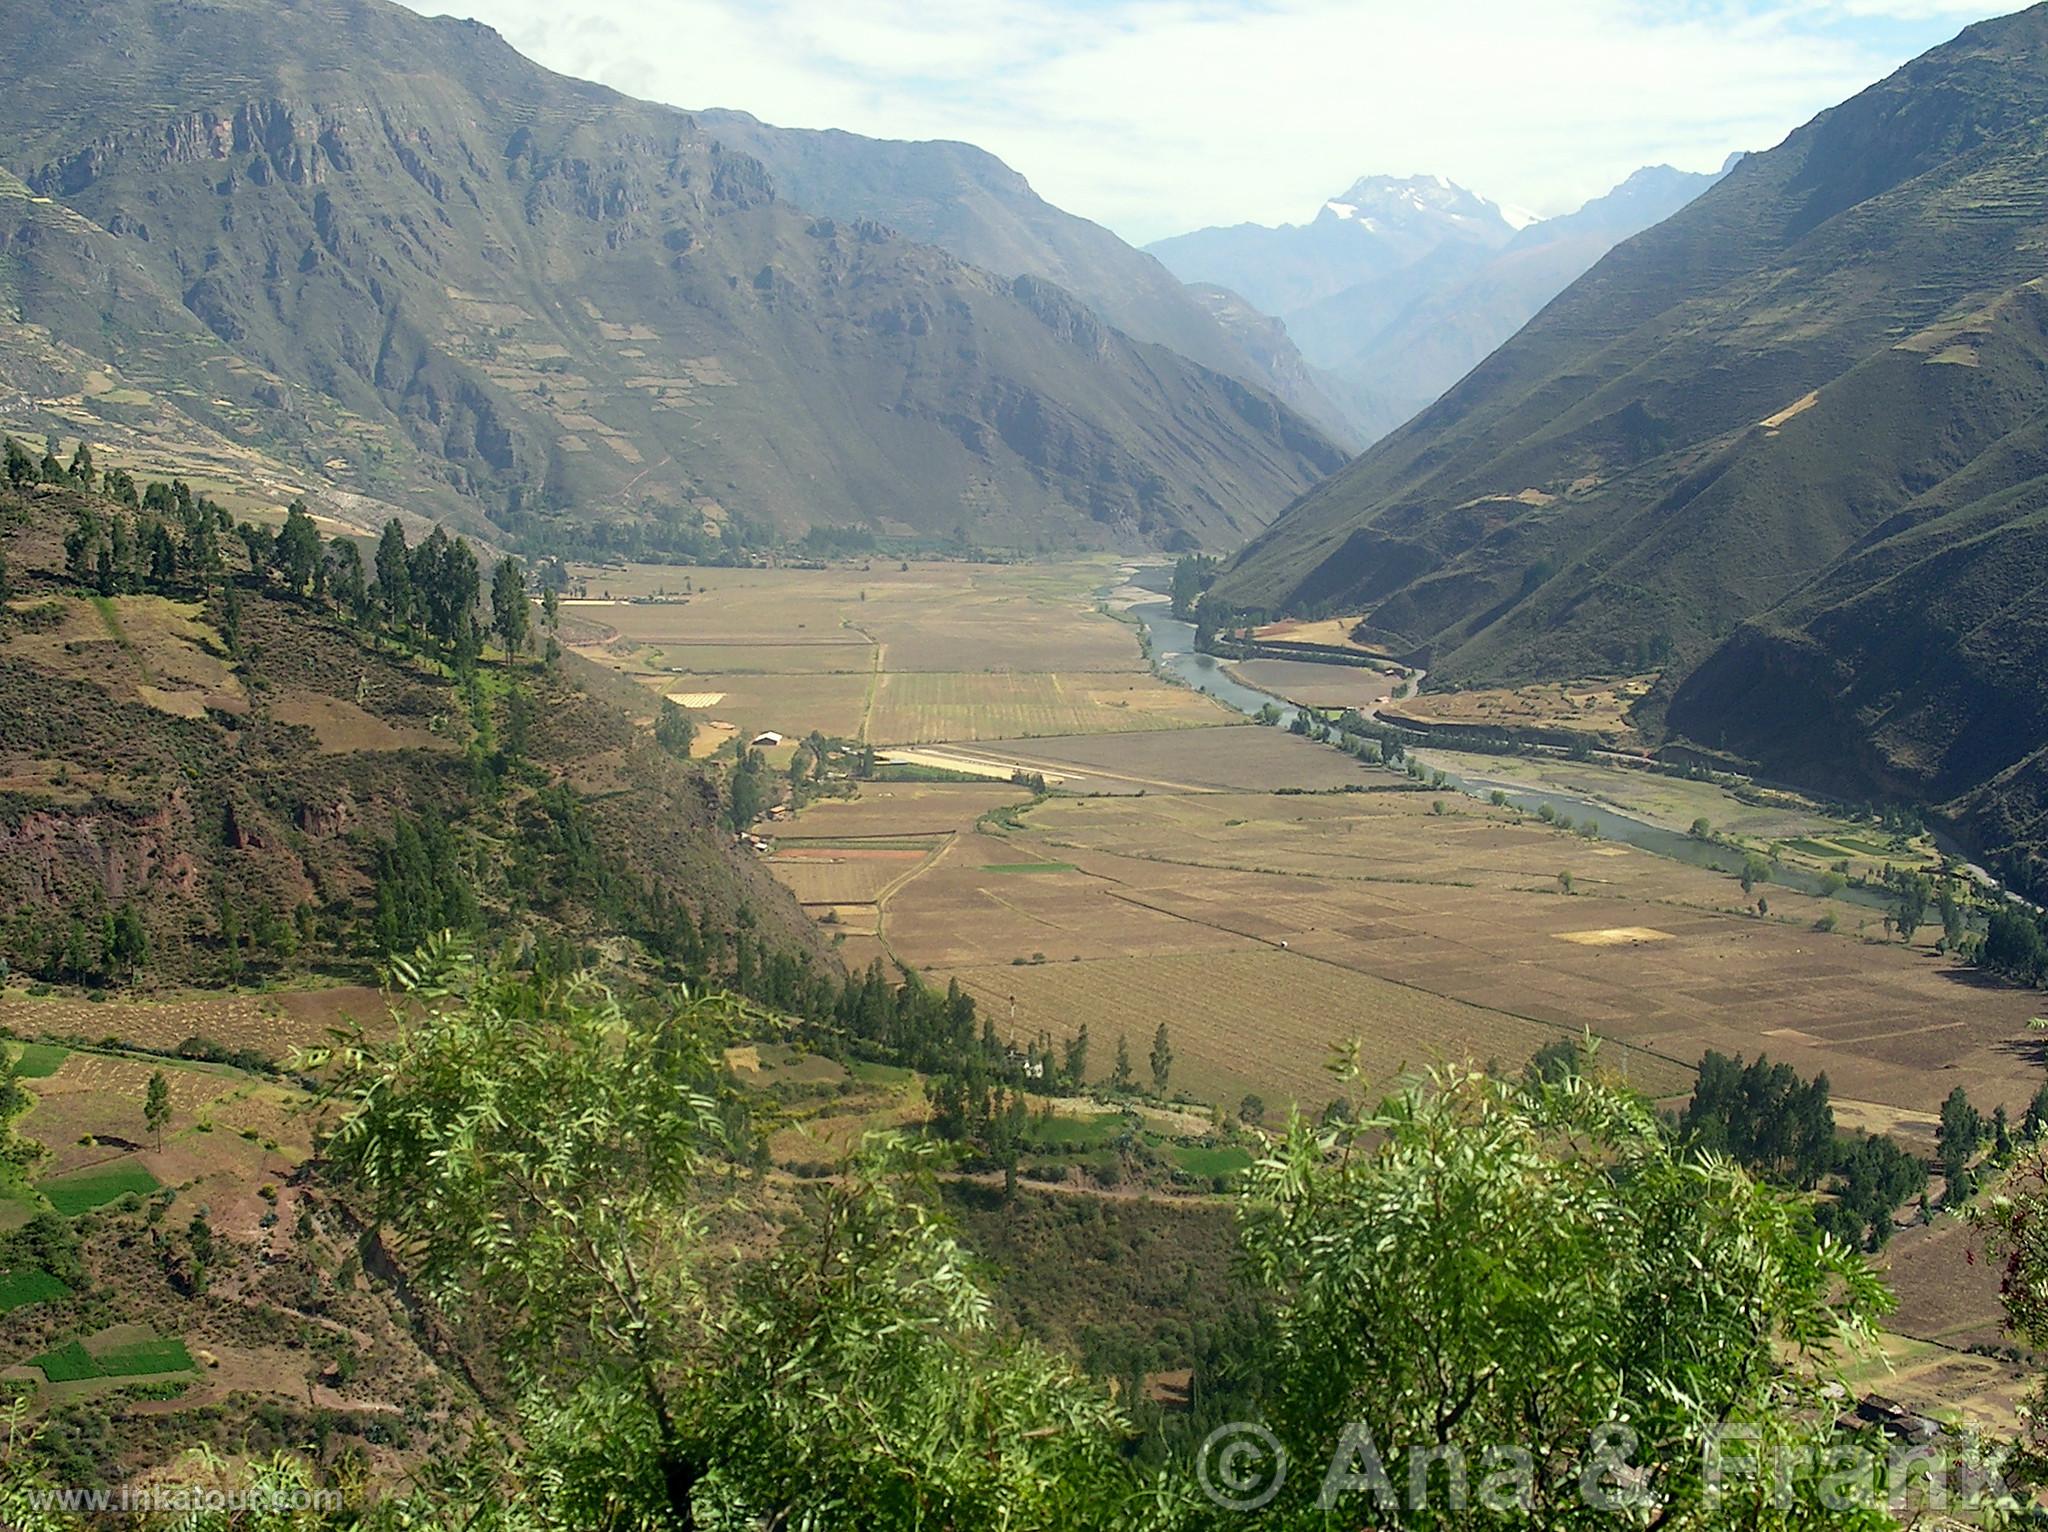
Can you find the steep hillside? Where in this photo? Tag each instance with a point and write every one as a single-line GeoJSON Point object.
{"type": "Point", "coordinates": [966, 201]}
{"type": "Point", "coordinates": [1911, 667]}
{"type": "Point", "coordinates": [226, 772]}
{"type": "Point", "coordinates": [1807, 401]}
{"type": "Point", "coordinates": [399, 258]}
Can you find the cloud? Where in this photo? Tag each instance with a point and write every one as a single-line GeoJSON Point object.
{"type": "Point", "coordinates": [1156, 116]}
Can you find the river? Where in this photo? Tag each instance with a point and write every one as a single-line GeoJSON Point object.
{"type": "Point", "coordinates": [1174, 653]}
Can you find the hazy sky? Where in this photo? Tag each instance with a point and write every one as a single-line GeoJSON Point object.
{"type": "Point", "coordinates": [1158, 116]}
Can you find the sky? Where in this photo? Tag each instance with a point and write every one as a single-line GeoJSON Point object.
{"type": "Point", "coordinates": [1154, 117]}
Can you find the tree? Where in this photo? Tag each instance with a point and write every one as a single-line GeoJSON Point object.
{"type": "Point", "coordinates": [1252, 1109]}
{"type": "Point", "coordinates": [1074, 1064]}
{"type": "Point", "coordinates": [394, 576]}
{"type": "Point", "coordinates": [747, 792]}
{"type": "Point", "coordinates": [1702, 829]}
{"type": "Point", "coordinates": [444, 581]}
{"type": "Point", "coordinates": [296, 553]}
{"type": "Point", "coordinates": [2014, 945]}
{"type": "Point", "coordinates": [21, 465]}
{"type": "Point", "coordinates": [1957, 1139]}
{"type": "Point", "coordinates": [351, 592]}
{"type": "Point", "coordinates": [1755, 870]}
{"type": "Point", "coordinates": [548, 1156]}
{"type": "Point", "coordinates": [231, 617]}
{"type": "Point", "coordinates": [81, 471]}
{"type": "Point", "coordinates": [673, 730]}
{"type": "Point", "coordinates": [1478, 1263]}
{"type": "Point", "coordinates": [1555, 1062]}
{"type": "Point", "coordinates": [1193, 573]}
{"type": "Point", "coordinates": [1120, 1077]}
{"type": "Point", "coordinates": [510, 615]}
{"type": "Point", "coordinates": [1909, 907]}
{"type": "Point", "coordinates": [124, 941]}
{"type": "Point", "coordinates": [1161, 1060]}
{"type": "Point", "coordinates": [156, 1106]}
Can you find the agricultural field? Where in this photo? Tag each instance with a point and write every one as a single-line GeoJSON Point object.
{"type": "Point", "coordinates": [18, 1289]}
{"type": "Point", "coordinates": [1316, 686]}
{"type": "Point", "coordinates": [342, 728]}
{"type": "Point", "coordinates": [1796, 829]}
{"type": "Point", "coordinates": [118, 1355]}
{"type": "Point", "coordinates": [920, 707]}
{"type": "Point", "coordinates": [89, 1189]}
{"type": "Point", "coordinates": [1488, 912]}
{"type": "Point", "coordinates": [898, 809]}
{"type": "Point", "coordinates": [138, 649]}
{"type": "Point", "coordinates": [1234, 1033]}
{"type": "Point", "coordinates": [1598, 707]}
{"type": "Point", "coordinates": [1334, 632]}
{"type": "Point", "coordinates": [269, 1025]}
{"type": "Point", "coordinates": [850, 873]}
{"type": "Point", "coordinates": [1175, 761]}
{"type": "Point", "coordinates": [895, 656]}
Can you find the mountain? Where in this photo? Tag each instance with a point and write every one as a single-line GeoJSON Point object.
{"type": "Point", "coordinates": [1380, 225]}
{"type": "Point", "coordinates": [1398, 288]}
{"type": "Point", "coordinates": [1787, 442]}
{"type": "Point", "coordinates": [967, 202]}
{"type": "Point", "coordinates": [389, 255]}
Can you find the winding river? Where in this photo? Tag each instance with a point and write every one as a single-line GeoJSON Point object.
{"type": "Point", "coordinates": [1174, 654]}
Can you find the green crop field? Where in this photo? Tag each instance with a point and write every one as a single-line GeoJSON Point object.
{"type": "Point", "coordinates": [73, 1363]}
{"type": "Point", "coordinates": [18, 1289]}
{"type": "Point", "coordinates": [89, 1189]}
{"type": "Point", "coordinates": [1200, 1161]}
{"type": "Point", "coordinates": [37, 1061]}
{"type": "Point", "coordinates": [1075, 1132]}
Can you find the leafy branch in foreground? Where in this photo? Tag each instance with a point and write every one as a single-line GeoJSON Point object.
{"type": "Point", "coordinates": [549, 1165]}
{"type": "Point", "coordinates": [1483, 1263]}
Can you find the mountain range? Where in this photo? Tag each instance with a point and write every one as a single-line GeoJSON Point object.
{"type": "Point", "coordinates": [331, 244]}
{"type": "Point", "coordinates": [1399, 286]}
{"type": "Point", "coordinates": [1788, 445]}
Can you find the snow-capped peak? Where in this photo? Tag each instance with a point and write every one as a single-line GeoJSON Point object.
{"type": "Point", "coordinates": [1377, 202]}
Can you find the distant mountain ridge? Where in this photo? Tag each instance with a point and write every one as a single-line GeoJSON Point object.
{"type": "Point", "coordinates": [1400, 286]}
{"type": "Point", "coordinates": [389, 259]}
{"type": "Point", "coordinates": [1787, 445]}
{"type": "Point", "coordinates": [968, 202]}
